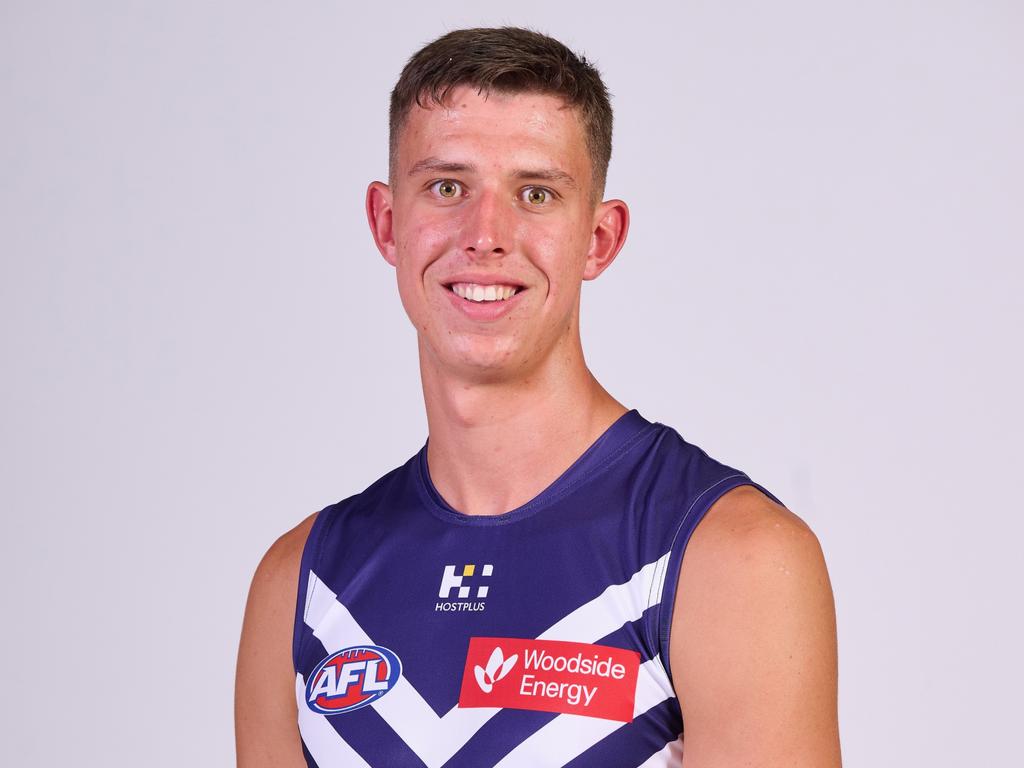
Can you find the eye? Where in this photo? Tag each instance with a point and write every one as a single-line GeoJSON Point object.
{"type": "Point", "coordinates": [447, 188]}
{"type": "Point", "coordinates": [536, 195]}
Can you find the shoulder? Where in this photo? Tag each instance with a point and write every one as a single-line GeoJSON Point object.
{"type": "Point", "coordinates": [745, 534]}
{"type": "Point", "coordinates": [280, 563]}
{"type": "Point", "coordinates": [270, 606]}
{"type": "Point", "coordinates": [747, 557]}
{"type": "Point", "coordinates": [265, 712]}
{"type": "Point", "coordinates": [753, 637]}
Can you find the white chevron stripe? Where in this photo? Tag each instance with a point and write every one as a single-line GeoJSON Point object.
{"type": "Point", "coordinates": [435, 739]}
{"type": "Point", "coordinates": [319, 600]}
{"type": "Point", "coordinates": [322, 741]}
{"type": "Point", "coordinates": [617, 605]}
{"type": "Point", "coordinates": [568, 736]}
{"type": "Point", "coordinates": [670, 757]}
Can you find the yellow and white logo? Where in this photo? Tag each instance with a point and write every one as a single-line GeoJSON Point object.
{"type": "Point", "coordinates": [454, 581]}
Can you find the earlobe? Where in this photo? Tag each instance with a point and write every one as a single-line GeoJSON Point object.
{"type": "Point", "coordinates": [379, 216]}
{"type": "Point", "coordinates": [611, 223]}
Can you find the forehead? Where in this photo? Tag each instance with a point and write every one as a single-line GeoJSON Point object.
{"type": "Point", "coordinates": [496, 127]}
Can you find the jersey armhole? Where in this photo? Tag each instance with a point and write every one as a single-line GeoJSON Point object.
{"type": "Point", "coordinates": [694, 514]}
{"type": "Point", "coordinates": [311, 551]}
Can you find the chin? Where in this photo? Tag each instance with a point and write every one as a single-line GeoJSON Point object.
{"type": "Point", "coordinates": [481, 356]}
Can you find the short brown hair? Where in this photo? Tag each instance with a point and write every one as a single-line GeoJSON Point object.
{"type": "Point", "coordinates": [510, 60]}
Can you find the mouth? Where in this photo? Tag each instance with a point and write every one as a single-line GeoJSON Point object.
{"type": "Point", "coordinates": [480, 293]}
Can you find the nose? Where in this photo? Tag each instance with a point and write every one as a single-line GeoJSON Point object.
{"type": "Point", "coordinates": [488, 226]}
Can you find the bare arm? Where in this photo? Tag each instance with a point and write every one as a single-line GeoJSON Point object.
{"type": "Point", "coordinates": [753, 641]}
{"type": "Point", "coordinates": [266, 729]}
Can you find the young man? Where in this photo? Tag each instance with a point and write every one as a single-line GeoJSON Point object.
{"type": "Point", "coordinates": [516, 593]}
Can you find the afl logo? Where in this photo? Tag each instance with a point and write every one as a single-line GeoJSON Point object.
{"type": "Point", "coordinates": [352, 678]}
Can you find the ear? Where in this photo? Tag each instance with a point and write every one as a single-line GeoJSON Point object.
{"type": "Point", "coordinates": [378, 213]}
{"type": "Point", "coordinates": [611, 223]}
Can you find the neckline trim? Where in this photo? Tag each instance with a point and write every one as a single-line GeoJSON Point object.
{"type": "Point", "coordinates": [610, 446]}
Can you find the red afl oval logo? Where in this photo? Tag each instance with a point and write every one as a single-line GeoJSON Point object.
{"type": "Point", "coordinates": [352, 678]}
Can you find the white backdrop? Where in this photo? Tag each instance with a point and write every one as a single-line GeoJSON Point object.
{"type": "Point", "coordinates": [201, 346]}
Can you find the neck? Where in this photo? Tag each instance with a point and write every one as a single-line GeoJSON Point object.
{"type": "Point", "coordinates": [496, 444]}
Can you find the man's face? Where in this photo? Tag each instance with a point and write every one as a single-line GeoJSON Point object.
{"type": "Point", "coordinates": [490, 223]}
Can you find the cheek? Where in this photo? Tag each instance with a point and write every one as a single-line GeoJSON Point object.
{"type": "Point", "coordinates": [422, 237]}
{"type": "Point", "coordinates": [424, 240]}
{"type": "Point", "coordinates": [563, 255]}
{"type": "Point", "coordinates": [419, 245]}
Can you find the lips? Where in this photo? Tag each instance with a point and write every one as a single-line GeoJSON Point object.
{"type": "Point", "coordinates": [484, 292]}
{"type": "Point", "coordinates": [484, 302]}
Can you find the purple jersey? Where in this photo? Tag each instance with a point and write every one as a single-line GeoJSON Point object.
{"type": "Point", "coordinates": [539, 637]}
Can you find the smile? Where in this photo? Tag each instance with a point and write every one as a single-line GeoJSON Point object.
{"type": "Point", "coordinates": [478, 292]}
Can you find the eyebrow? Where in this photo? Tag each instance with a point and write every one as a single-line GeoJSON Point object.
{"type": "Point", "coordinates": [437, 165]}
{"type": "Point", "coordinates": [547, 174]}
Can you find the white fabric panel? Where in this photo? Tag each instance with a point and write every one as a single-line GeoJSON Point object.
{"type": "Point", "coordinates": [319, 600]}
{"type": "Point", "coordinates": [322, 741]}
{"type": "Point", "coordinates": [434, 739]}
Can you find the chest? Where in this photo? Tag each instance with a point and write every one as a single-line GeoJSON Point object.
{"type": "Point", "coordinates": [484, 646]}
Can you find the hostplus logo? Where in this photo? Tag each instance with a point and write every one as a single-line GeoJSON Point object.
{"type": "Point", "coordinates": [463, 583]}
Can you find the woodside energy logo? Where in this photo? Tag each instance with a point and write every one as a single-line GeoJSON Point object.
{"type": "Point", "coordinates": [550, 676]}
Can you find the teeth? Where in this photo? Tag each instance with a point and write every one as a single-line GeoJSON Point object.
{"type": "Point", "coordinates": [477, 292]}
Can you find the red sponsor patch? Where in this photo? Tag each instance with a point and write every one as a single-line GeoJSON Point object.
{"type": "Point", "coordinates": [550, 676]}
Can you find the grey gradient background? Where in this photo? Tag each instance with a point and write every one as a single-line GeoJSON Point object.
{"type": "Point", "coordinates": [201, 346]}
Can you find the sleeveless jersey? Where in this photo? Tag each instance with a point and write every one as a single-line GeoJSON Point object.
{"type": "Point", "coordinates": [538, 637]}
